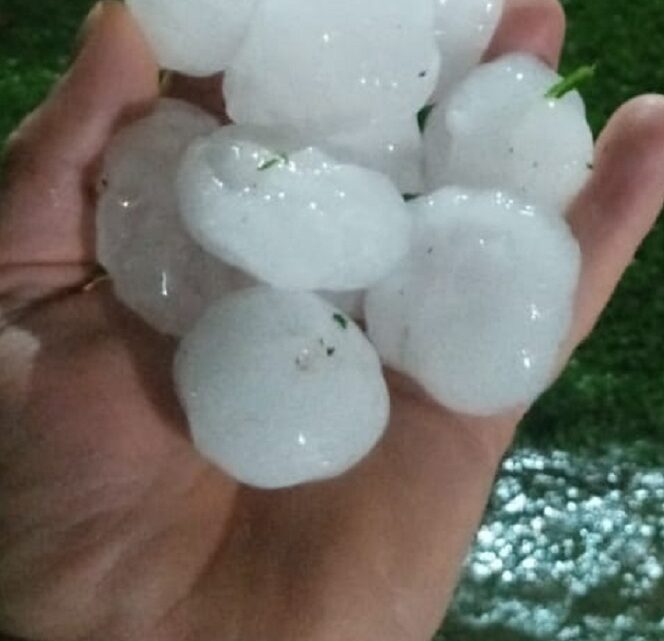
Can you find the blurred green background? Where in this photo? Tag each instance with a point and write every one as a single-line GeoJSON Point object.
{"type": "Point", "coordinates": [612, 395]}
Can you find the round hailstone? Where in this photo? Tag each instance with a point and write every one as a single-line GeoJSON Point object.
{"type": "Point", "coordinates": [281, 388]}
{"type": "Point", "coordinates": [464, 29]}
{"type": "Point", "coordinates": [325, 67]}
{"type": "Point", "coordinates": [195, 37]}
{"type": "Point", "coordinates": [393, 148]}
{"type": "Point", "coordinates": [498, 130]}
{"type": "Point", "coordinates": [157, 270]}
{"type": "Point", "coordinates": [478, 312]}
{"type": "Point", "coordinates": [293, 219]}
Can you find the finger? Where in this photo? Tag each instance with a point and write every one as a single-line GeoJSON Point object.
{"type": "Point", "coordinates": [47, 204]}
{"type": "Point", "coordinates": [534, 27]}
{"type": "Point", "coordinates": [205, 93]}
{"type": "Point", "coordinates": [620, 205]}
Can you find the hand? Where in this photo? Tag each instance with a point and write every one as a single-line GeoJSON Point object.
{"type": "Point", "coordinates": [113, 528]}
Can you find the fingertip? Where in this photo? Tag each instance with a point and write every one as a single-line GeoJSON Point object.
{"type": "Point", "coordinates": [533, 26]}
{"type": "Point", "coordinates": [113, 78]}
{"type": "Point", "coordinates": [115, 64]}
{"type": "Point", "coordinates": [620, 204]}
{"type": "Point", "coordinates": [629, 170]}
{"type": "Point", "coordinates": [638, 123]}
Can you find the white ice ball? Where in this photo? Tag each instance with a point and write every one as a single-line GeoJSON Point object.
{"type": "Point", "coordinates": [295, 219]}
{"type": "Point", "coordinates": [464, 29]}
{"type": "Point", "coordinates": [323, 67]}
{"type": "Point", "coordinates": [280, 388]}
{"type": "Point", "coordinates": [392, 147]}
{"type": "Point", "coordinates": [478, 312]}
{"type": "Point", "coordinates": [157, 270]}
{"type": "Point", "coordinates": [499, 131]}
{"type": "Point", "coordinates": [194, 37]}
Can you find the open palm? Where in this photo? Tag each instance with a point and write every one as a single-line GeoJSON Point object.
{"type": "Point", "coordinates": [112, 527]}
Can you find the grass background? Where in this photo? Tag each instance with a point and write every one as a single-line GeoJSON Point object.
{"type": "Point", "coordinates": [613, 391]}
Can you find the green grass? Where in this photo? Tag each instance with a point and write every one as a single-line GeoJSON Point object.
{"type": "Point", "coordinates": [614, 388]}
{"type": "Point", "coordinates": [36, 41]}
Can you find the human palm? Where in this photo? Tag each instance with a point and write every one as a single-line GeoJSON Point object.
{"type": "Point", "coordinates": [111, 525]}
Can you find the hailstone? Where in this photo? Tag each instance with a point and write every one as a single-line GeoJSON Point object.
{"type": "Point", "coordinates": [479, 310]}
{"type": "Point", "coordinates": [157, 269]}
{"type": "Point", "coordinates": [391, 147]}
{"type": "Point", "coordinates": [281, 388]}
{"type": "Point", "coordinates": [194, 37]}
{"type": "Point", "coordinates": [464, 29]}
{"type": "Point", "coordinates": [295, 219]}
{"type": "Point", "coordinates": [326, 67]}
{"type": "Point", "coordinates": [498, 130]}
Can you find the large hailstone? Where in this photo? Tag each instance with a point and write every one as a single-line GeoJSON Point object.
{"type": "Point", "coordinates": [326, 67]}
{"type": "Point", "coordinates": [194, 37]}
{"type": "Point", "coordinates": [391, 147]}
{"type": "Point", "coordinates": [157, 270]}
{"type": "Point", "coordinates": [295, 219]}
{"type": "Point", "coordinates": [464, 29]}
{"type": "Point", "coordinates": [499, 131]}
{"type": "Point", "coordinates": [280, 388]}
{"type": "Point", "coordinates": [478, 312]}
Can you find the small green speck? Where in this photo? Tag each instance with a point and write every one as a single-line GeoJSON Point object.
{"type": "Point", "coordinates": [423, 116]}
{"type": "Point", "coordinates": [279, 159]}
{"type": "Point", "coordinates": [571, 82]}
{"type": "Point", "coordinates": [341, 320]}
{"type": "Point", "coordinates": [409, 197]}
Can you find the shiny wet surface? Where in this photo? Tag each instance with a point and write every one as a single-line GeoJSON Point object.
{"type": "Point", "coordinates": [572, 548]}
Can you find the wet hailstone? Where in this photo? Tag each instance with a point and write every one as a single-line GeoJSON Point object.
{"type": "Point", "coordinates": [158, 271]}
{"type": "Point", "coordinates": [195, 37]}
{"type": "Point", "coordinates": [295, 219]}
{"type": "Point", "coordinates": [335, 66]}
{"type": "Point", "coordinates": [572, 548]}
{"type": "Point", "coordinates": [464, 29]}
{"type": "Point", "coordinates": [281, 388]}
{"type": "Point", "coordinates": [478, 311]}
{"type": "Point", "coordinates": [391, 147]}
{"type": "Point", "coordinates": [498, 130]}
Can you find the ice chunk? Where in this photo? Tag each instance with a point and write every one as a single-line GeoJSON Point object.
{"type": "Point", "coordinates": [157, 270]}
{"type": "Point", "coordinates": [333, 66]}
{"type": "Point", "coordinates": [499, 131]}
{"type": "Point", "coordinates": [194, 37]}
{"type": "Point", "coordinates": [391, 147]}
{"type": "Point", "coordinates": [281, 388]}
{"type": "Point", "coordinates": [478, 312]}
{"type": "Point", "coordinates": [464, 29]}
{"type": "Point", "coordinates": [293, 218]}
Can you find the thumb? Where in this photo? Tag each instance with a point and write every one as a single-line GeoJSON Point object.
{"type": "Point", "coordinates": [46, 202]}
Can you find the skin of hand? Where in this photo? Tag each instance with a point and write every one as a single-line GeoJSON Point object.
{"type": "Point", "coordinates": [112, 527]}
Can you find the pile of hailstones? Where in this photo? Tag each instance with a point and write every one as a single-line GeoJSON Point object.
{"type": "Point", "coordinates": [263, 243]}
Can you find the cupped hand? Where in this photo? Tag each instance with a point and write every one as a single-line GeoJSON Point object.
{"type": "Point", "coordinates": [112, 527]}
